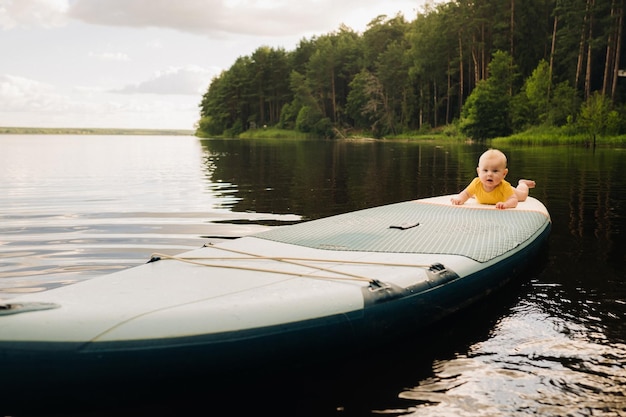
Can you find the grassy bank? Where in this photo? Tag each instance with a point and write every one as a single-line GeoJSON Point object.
{"type": "Point", "coordinates": [540, 136]}
{"type": "Point", "coordinates": [274, 133]}
{"type": "Point", "coordinates": [92, 131]}
{"type": "Point", "coordinates": [557, 136]}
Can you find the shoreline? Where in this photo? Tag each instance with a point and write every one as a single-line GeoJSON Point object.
{"type": "Point", "coordinates": [92, 131]}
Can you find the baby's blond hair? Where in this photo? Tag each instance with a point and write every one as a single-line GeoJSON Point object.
{"type": "Point", "coordinates": [493, 154]}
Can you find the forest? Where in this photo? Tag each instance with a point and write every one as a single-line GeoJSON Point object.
{"type": "Point", "coordinates": [477, 68]}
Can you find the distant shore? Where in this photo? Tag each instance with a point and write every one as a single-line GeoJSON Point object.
{"type": "Point", "coordinates": [92, 131]}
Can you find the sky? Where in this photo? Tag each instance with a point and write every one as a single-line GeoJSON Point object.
{"type": "Point", "coordinates": [145, 64]}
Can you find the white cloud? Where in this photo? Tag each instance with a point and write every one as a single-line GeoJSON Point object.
{"type": "Point", "coordinates": [213, 17]}
{"type": "Point", "coordinates": [185, 80]}
{"type": "Point", "coordinates": [154, 44]}
{"type": "Point", "coordinates": [109, 56]}
{"type": "Point", "coordinates": [23, 99]}
{"type": "Point", "coordinates": [241, 17]}
{"type": "Point", "coordinates": [20, 94]}
{"type": "Point", "coordinates": [29, 13]}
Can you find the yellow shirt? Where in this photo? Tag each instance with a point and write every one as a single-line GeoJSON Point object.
{"type": "Point", "coordinates": [502, 192]}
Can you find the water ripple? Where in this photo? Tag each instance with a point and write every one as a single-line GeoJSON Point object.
{"type": "Point", "coordinates": [534, 364]}
{"type": "Point", "coordinates": [42, 252]}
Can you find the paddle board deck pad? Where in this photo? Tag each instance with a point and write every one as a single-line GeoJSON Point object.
{"type": "Point", "coordinates": [286, 294]}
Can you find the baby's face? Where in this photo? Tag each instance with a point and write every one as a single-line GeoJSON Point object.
{"type": "Point", "coordinates": [491, 171]}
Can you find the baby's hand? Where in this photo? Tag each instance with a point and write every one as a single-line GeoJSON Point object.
{"type": "Point", "coordinates": [501, 205]}
{"type": "Point", "coordinates": [456, 201]}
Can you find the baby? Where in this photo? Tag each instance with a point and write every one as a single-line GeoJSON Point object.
{"type": "Point", "coordinates": [490, 187]}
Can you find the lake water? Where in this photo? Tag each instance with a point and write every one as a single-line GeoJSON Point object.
{"type": "Point", "coordinates": [551, 344]}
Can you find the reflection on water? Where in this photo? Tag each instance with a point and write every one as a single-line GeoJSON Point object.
{"type": "Point", "coordinates": [532, 363]}
{"type": "Point", "coordinates": [73, 207]}
{"type": "Point", "coordinates": [555, 344]}
{"type": "Point", "coordinates": [318, 179]}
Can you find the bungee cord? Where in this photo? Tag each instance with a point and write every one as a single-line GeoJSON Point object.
{"type": "Point", "coordinates": [298, 261]}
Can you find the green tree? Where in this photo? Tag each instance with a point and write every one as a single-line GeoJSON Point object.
{"type": "Point", "coordinates": [302, 96]}
{"type": "Point", "coordinates": [531, 106]}
{"type": "Point", "coordinates": [386, 44]}
{"type": "Point", "coordinates": [357, 100]}
{"type": "Point", "coordinates": [269, 68]}
{"type": "Point", "coordinates": [540, 103]}
{"type": "Point", "coordinates": [393, 74]}
{"type": "Point", "coordinates": [486, 112]}
{"type": "Point", "coordinates": [330, 68]}
{"type": "Point", "coordinates": [367, 103]}
{"type": "Point", "coordinates": [537, 88]}
{"type": "Point", "coordinates": [213, 118]}
{"type": "Point", "coordinates": [594, 116]}
{"type": "Point", "coordinates": [564, 104]}
{"type": "Point", "coordinates": [380, 33]}
{"type": "Point", "coordinates": [311, 120]}
{"type": "Point", "coordinates": [433, 43]}
{"type": "Point", "coordinates": [530, 27]}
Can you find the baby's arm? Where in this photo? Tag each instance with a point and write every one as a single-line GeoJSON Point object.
{"type": "Point", "coordinates": [511, 202]}
{"type": "Point", "coordinates": [461, 198]}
